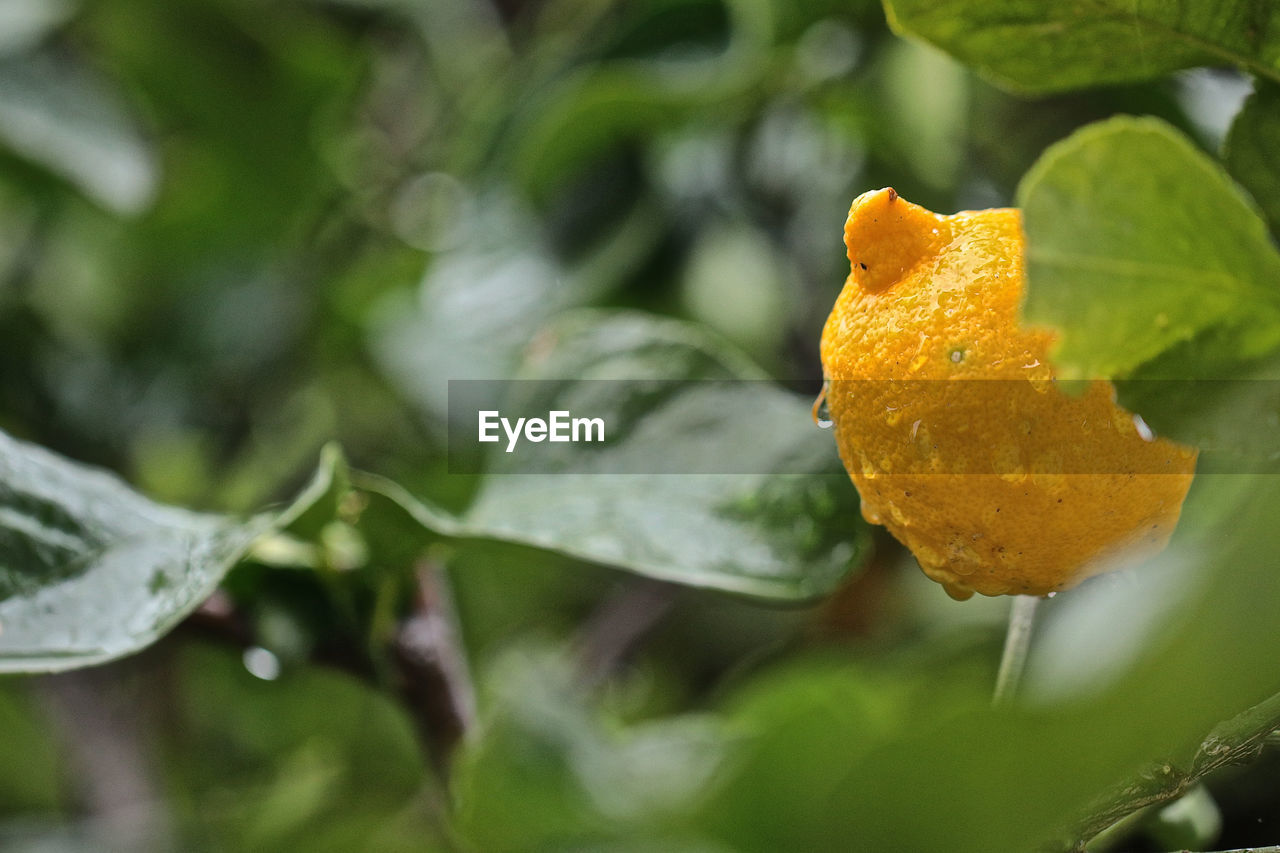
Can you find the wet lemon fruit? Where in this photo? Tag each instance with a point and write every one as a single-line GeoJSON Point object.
{"type": "Point", "coordinates": [1003, 484]}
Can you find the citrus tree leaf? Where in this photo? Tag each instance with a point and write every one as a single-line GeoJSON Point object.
{"type": "Point", "coordinates": [1051, 47]}
{"type": "Point", "coordinates": [1137, 242]}
{"type": "Point", "coordinates": [90, 570]}
{"type": "Point", "coordinates": [717, 477]}
{"type": "Point", "coordinates": [1250, 150]}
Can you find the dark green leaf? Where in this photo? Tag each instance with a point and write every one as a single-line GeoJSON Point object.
{"type": "Point", "coordinates": [1137, 242]}
{"type": "Point", "coordinates": [1047, 47]}
{"type": "Point", "coordinates": [1233, 416]}
{"type": "Point", "coordinates": [1251, 149]}
{"type": "Point", "coordinates": [91, 570]}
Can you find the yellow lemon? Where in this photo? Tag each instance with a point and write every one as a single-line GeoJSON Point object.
{"type": "Point", "coordinates": [1004, 483]}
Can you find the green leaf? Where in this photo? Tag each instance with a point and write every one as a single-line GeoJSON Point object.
{"type": "Point", "coordinates": [784, 525]}
{"type": "Point", "coordinates": [1234, 422]}
{"type": "Point", "coordinates": [1050, 47]}
{"type": "Point", "coordinates": [1250, 150]}
{"type": "Point", "coordinates": [90, 570]}
{"type": "Point", "coordinates": [1137, 242]}
{"type": "Point", "coordinates": [1012, 779]}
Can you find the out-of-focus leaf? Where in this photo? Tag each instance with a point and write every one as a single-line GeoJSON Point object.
{"type": "Point", "coordinates": [930, 96]}
{"type": "Point", "coordinates": [561, 779]}
{"type": "Point", "coordinates": [59, 116]}
{"type": "Point", "coordinates": [1137, 242]}
{"type": "Point", "coordinates": [316, 760]}
{"type": "Point", "coordinates": [23, 23]}
{"type": "Point", "coordinates": [912, 756]}
{"type": "Point", "coordinates": [90, 570]}
{"type": "Point", "coordinates": [1047, 47]}
{"type": "Point", "coordinates": [1250, 150]}
{"type": "Point", "coordinates": [476, 309]}
{"type": "Point", "coordinates": [1192, 823]}
{"type": "Point", "coordinates": [802, 729]}
{"type": "Point", "coordinates": [582, 115]}
{"type": "Point", "coordinates": [782, 524]}
{"type": "Point", "coordinates": [480, 303]}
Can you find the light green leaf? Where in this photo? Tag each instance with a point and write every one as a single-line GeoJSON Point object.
{"type": "Point", "coordinates": [1049, 47]}
{"type": "Point", "coordinates": [773, 515]}
{"type": "Point", "coordinates": [90, 570]}
{"type": "Point", "coordinates": [1250, 151]}
{"type": "Point", "coordinates": [1137, 242]}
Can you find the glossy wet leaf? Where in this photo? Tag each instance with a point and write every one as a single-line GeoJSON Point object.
{"type": "Point", "coordinates": [90, 570]}
{"type": "Point", "coordinates": [721, 479]}
{"type": "Point", "coordinates": [1048, 47]}
{"type": "Point", "coordinates": [1136, 243]}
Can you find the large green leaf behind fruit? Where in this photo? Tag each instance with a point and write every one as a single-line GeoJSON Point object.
{"type": "Point", "coordinates": [718, 477]}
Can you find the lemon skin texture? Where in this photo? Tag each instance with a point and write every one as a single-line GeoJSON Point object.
{"type": "Point", "coordinates": [1004, 483]}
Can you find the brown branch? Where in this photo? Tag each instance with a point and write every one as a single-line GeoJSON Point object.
{"type": "Point", "coordinates": [617, 624]}
{"type": "Point", "coordinates": [429, 670]}
{"type": "Point", "coordinates": [434, 678]}
{"type": "Point", "coordinates": [95, 715]}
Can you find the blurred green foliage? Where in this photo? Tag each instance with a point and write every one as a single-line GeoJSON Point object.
{"type": "Point", "coordinates": [232, 232]}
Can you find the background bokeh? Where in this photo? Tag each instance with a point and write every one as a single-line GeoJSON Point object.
{"type": "Point", "coordinates": [232, 231]}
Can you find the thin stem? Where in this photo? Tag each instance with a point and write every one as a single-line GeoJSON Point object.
{"type": "Point", "coordinates": [1238, 740]}
{"type": "Point", "coordinates": [1022, 617]}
